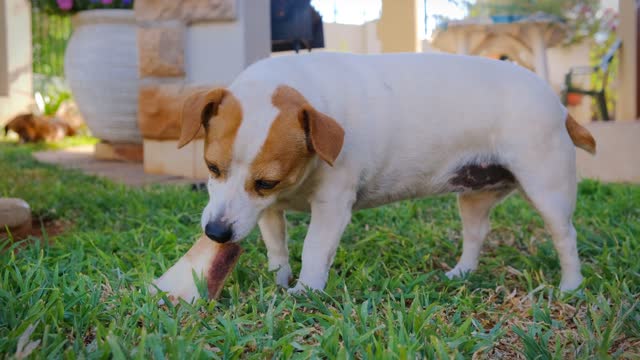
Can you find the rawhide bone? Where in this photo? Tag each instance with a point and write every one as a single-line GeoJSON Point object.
{"type": "Point", "coordinates": [221, 266]}
{"type": "Point", "coordinates": [207, 259]}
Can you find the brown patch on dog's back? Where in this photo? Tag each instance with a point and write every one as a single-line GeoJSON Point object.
{"type": "Point", "coordinates": [482, 176]}
{"type": "Point", "coordinates": [221, 133]}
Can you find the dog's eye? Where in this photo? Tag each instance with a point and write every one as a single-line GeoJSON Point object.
{"type": "Point", "coordinates": [266, 184]}
{"type": "Point", "coordinates": [214, 169]}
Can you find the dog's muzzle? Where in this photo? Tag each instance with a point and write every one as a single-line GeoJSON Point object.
{"type": "Point", "coordinates": [218, 231]}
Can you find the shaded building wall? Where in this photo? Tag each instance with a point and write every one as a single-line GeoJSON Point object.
{"type": "Point", "coordinates": [16, 78]}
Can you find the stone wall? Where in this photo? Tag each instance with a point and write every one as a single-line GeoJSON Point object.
{"type": "Point", "coordinates": [185, 46]}
{"type": "Point", "coordinates": [162, 34]}
{"type": "Point", "coordinates": [185, 11]}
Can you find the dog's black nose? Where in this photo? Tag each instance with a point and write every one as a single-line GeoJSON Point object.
{"type": "Point", "coordinates": [218, 231]}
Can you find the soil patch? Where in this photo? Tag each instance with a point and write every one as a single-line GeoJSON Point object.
{"type": "Point", "coordinates": [41, 228]}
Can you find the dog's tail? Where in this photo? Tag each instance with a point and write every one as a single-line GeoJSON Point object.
{"type": "Point", "coordinates": [580, 136]}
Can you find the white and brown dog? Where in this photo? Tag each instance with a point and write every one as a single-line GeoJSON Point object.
{"type": "Point", "coordinates": [333, 133]}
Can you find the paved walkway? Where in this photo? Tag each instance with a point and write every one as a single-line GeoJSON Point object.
{"type": "Point", "coordinates": [128, 173]}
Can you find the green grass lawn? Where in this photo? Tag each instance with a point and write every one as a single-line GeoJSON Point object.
{"type": "Point", "coordinates": [82, 293]}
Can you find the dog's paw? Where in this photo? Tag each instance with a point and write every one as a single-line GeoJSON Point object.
{"type": "Point", "coordinates": [299, 289]}
{"type": "Point", "coordinates": [570, 283]}
{"type": "Point", "coordinates": [458, 272]}
{"type": "Point", "coordinates": [284, 276]}
{"type": "Point", "coordinates": [302, 288]}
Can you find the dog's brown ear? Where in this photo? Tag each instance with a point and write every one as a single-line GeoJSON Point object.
{"type": "Point", "coordinates": [324, 135]}
{"type": "Point", "coordinates": [197, 111]}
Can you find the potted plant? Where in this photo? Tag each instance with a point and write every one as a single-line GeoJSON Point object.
{"type": "Point", "coordinates": [101, 65]}
{"type": "Point", "coordinates": [574, 99]}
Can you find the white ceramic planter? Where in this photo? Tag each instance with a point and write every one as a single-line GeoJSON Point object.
{"type": "Point", "coordinates": [101, 67]}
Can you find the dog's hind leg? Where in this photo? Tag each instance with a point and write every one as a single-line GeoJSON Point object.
{"type": "Point", "coordinates": [273, 228]}
{"type": "Point", "coordinates": [474, 212]}
{"type": "Point", "coordinates": [556, 203]}
{"type": "Point", "coordinates": [551, 187]}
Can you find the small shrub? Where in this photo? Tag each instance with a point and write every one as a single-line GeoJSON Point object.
{"type": "Point", "coordinates": [73, 6]}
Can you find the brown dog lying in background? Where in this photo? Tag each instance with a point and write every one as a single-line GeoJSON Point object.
{"type": "Point", "coordinates": [34, 128]}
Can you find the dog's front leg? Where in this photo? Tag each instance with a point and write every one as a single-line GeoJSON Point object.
{"type": "Point", "coordinates": [328, 221]}
{"type": "Point", "coordinates": [273, 228]}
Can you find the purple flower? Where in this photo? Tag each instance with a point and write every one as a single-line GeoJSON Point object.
{"type": "Point", "coordinates": [107, 2]}
{"type": "Point", "coordinates": [65, 4]}
{"type": "Point", "coordinates": [127, 2]}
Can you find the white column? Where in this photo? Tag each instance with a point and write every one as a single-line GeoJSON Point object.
{"type": "Point", "coordinates": [4, 71]}
{"type": "Point", "coordinates": [539, 48]}
{"type": "Point", "coordinates": [397, 28]}
{"type": "Point", "coordinates": [462, 42]}
{"type": "Point", "coordinates": [628, 62]}
{"type": "Point", "coordinates": [233, 44]}
{"type": "Point", "coordinates": [16, 88]}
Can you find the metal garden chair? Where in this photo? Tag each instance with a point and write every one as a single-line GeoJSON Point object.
{"type": "Point", "coordinates": [598, 94]}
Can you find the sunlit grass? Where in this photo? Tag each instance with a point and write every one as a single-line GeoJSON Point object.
{"type": "Point", "coordinates": [387, 296]}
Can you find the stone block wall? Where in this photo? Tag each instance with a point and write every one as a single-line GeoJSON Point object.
{"type": "Point", "coordinates": [186, 11]}
{"type": "Point", "coordinates": [185, 46]}
{"type": "Point", "coordinates": [161, 51]}
{"type": "Point", "coordinates": [162, 34]}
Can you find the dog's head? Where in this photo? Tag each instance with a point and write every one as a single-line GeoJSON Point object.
{"type": "Point", "coordinates": [256, 150]}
